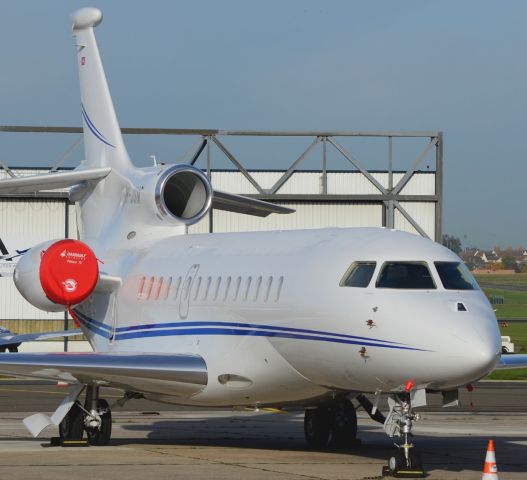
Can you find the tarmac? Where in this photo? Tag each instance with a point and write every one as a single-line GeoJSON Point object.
{"type": "Point", "coordinates": [156, 441]}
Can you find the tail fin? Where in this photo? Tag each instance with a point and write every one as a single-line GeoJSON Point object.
{"type": "Point", "coordinates": [103, 142]}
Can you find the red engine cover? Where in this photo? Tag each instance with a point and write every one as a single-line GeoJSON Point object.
{"type": "Point", "coordinates": [68, 272]}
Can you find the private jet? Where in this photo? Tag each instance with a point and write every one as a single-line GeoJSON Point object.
{"type": "Point", "coordinates": [309, 318]}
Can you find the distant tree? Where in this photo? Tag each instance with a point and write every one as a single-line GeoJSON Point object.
{"type": "Point", "coordinates": [496, 266]}
{"type": "Point", "coordinates": [451, 242]}
{"type": "Point", "coordinates": [509, 263]}
{"type": "Point", "coordinates": [523, 268]}
{"type": "Point", "coordinates": [497, 249]}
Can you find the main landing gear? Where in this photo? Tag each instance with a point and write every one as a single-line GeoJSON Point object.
{"type": "Point", "coordinates": [333, 426]}
{"type": "Point", "coordinates": [405, 462]}
{"type": "Point", "coordinates": [94, 418]}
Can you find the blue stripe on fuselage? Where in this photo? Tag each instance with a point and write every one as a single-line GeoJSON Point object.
{"type": "Point", "coordinates": [231, 329]}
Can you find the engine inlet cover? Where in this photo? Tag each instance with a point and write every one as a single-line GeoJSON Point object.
{"type": "Point", "coordinates": [68, 272]}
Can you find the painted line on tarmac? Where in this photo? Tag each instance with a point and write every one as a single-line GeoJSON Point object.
{"type": "Point", "coordinates": [46, 392]}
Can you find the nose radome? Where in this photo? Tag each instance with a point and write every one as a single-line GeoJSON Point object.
{"type": "Point", "coordinates": [483, 354]}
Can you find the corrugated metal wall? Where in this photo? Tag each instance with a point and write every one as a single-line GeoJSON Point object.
{"type": "Point", "coordinates": [307, 215]}
{"type": "Point", "coordinates": [310, 183]}
{"type": "Point", "coordinates": [24, 223]}
{"type": "Point", "coordinates": [323, 214]}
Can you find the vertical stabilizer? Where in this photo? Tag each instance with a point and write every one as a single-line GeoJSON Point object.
{"type": "Point", "coordinates": [103, 142]}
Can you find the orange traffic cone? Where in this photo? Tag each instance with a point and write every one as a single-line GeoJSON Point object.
{"type": "Point", "coordinates": [490, 469]}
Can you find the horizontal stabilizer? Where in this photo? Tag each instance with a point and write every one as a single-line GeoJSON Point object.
{"type": "Point", "coordinates": [512, 361]}
{"type": "Point", "coordinates": [182, 375]}
{"type": "Point", "coordinates": [8, 339]}
{"type": "Point", "coordinates": [249, 206]}
{"type": "Point", "coordinates": [51, 181]}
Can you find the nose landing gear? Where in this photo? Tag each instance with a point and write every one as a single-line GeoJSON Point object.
{"type": "Point", "coordinates": [405, 462]}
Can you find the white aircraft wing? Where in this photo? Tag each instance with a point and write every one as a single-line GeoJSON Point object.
{"type": "Point", "coordinates": [512, 361]}
{"type": "Point", "coordinates": [181, 374]}
{"type": "Point", "coordinates": [9, 338]}
{"type": "Point", "coordinates": [51, 181]}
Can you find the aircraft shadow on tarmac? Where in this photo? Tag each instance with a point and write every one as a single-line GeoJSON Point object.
{"type": "Point", "coordinates": [454, 453]}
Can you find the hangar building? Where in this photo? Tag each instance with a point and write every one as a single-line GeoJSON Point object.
{"type": "Point", "coordinates": [409, 200]}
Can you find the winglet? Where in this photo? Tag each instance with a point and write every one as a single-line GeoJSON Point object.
{"type": "Point", "coordinates": [103, 141]}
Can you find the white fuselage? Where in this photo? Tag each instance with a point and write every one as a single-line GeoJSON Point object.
{"type": "Point", "coordinates": [267, 313]}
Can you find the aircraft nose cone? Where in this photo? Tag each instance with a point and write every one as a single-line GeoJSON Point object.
{"type": "Point", "coordinates": [484, 354]}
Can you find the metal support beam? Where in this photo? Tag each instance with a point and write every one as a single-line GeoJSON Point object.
{"type": "Point", "coordinates": [209, 174]}
{"type": "Point", "coordinates": [439, 189]}
{"type": "Point", "coordinates": [294, 166]}
{"type": "Point", "coordinates": [408, 217]}
{"type": "Point", "coordinates": [324, 166]}
{"type": "Point", "coordinates": [67, 154]}
{"type": "Point", "coordinates": [401, 183]}
{"type": "Point", "coordinates": [198, 151]}
{"type": "Point", "coordinates": [389, 212]}
{"type": "Point", "coordinates": [357, 165]}
{"type": "Point", "coordinates": [238, 165]}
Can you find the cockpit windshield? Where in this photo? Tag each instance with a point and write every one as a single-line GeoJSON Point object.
{"type": "Point", "coordinates": [455, 276]}
{"type": "Point", "coordinates": [358, 275]}
{"type": "Point", "coordinates": [405, 275]}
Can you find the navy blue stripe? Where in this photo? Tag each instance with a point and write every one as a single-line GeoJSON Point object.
{"type": "Point", "coordinates": [255, 333]}
{"type": "Point", "coordinates": [253, 326]}
{"type": "Point", "coordinates": [88, 119]}
{"type": "Point", "coordinates": [94, 130]}
{"type": "Point", "coordinates": [92, 325]}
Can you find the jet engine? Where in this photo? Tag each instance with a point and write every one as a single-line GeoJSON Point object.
{"type": "Point", "coordinates": [57, 274]}
{"type": "Point", "coordinates": [182, 194]}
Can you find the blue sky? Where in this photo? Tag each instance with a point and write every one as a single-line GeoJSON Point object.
{"type": "Point", "coordinates": [458, 67]}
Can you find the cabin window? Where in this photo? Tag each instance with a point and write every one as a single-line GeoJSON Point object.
{"type": "Point", "coordinates": [247, 288]}
{"type": "Point", "coordinates": [217, 288]}
{"type": "Point", "coordinates": [196, 288]}
{"type": "Point", "coordinates": [177, 288]}
{"type": "Point", "coordinates": [257, 288]}
{"type": "Point", "coordinates": [358, 275]}
{"type": "Point", "coordinates": [455, 276]}
{"type": "Point", "coordinates": [157, 290]}
{"type": "Point", "coordinates": [237, 289]}
{"type": "Point", "coordinates": [141, 288]}
{"type": "Point", "coordinates": [227, 286]}
{"type": "Point", "coordinates": [405, 275]}
{"type": "Point", "coordinates": [279, 289]}
{"type": "Point", "coordinates": [207, 288]}
{"type": "Point", "coordinates": [149, 286]}
{"type": "Point", "coordinates": [268, 288]}
{"type": "Point", "coordinates": [168, 284]}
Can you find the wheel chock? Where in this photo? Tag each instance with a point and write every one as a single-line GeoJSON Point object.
{"type": "Point", "coordinates": [55, 442]}
{"type": "Point", "coordinates": [75, 443]}
{"type": "Point", "coordinates": [403, 472]}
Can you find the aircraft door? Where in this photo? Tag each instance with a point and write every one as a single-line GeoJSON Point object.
{"type": "Point", "coordinates": [186, 291]}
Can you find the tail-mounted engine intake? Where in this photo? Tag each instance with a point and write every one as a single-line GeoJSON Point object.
{"type": "Point", "coordinates": [183, 194]}
{"type": "Point", "coordinates": [55, 275]}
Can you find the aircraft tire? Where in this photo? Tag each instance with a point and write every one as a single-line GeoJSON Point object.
{"type": "Point", "coordinates": [317, 425]}
{"type": "Point", "coordinates": [397, 462]}
{"type": "Point", "coordinates": [101, 437]}
{"type": "Point", "coordinates": [72, 426]}
{"type": "Point", "coordinates": [343, 424]}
